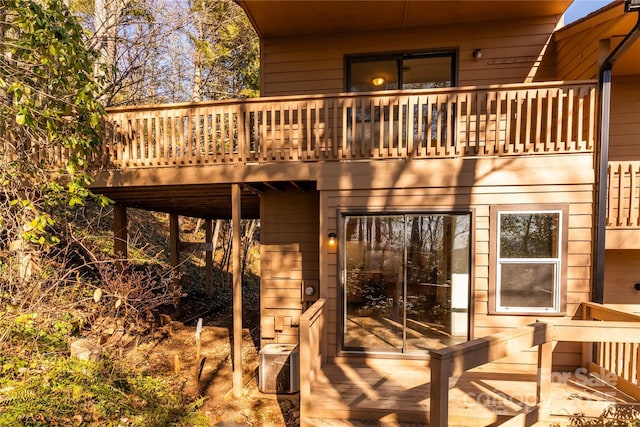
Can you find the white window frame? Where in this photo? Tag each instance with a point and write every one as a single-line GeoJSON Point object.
{"type": "Point", "coordinates": [556, 261]}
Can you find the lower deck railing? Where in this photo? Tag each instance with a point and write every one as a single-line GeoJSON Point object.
{"type": "Point", "coordinates": [312, 348]}
{"type": "Point", "coordinates": [455, 360]}
{"type": "Point", "coordinates": [611, 331]}
{"type": "Point", "coordinates": [619, 360]}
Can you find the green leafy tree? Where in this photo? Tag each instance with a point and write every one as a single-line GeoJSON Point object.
{"type": "Point", "coordinates": [158, 51]}
{"type": "Point", "coordinates": [50, 118]}
{"type": "Point", "coordinates": [226, 51]}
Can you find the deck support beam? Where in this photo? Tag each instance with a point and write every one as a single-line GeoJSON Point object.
{"type": "Point", "coordinates": [174, 246]}
{"type": "Point", "coordinates": [543, 380]}
{"type": "Point", "coordinates": [120, 233]}
{"type": "Point", "coordinates": [208, 258]}
{"type": "Point", "coordinates": [237, 290]}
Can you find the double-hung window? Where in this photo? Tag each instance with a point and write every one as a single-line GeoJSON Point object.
{"type": "Point", "coordinates": [529, 250]}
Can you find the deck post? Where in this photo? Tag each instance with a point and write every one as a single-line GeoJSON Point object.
{"type": "Point", "coordinates": [174, 246]}
{"type": "Point", "coordinates": [312, 350]}
{"type": "Point", "coordinates": [208, 258]}
{"type": "Point", "coordinates": [120, 232]}
{"type": "Point", "coordinates": [439, 388]}
{"type": "Point", "coordinates": [587, 347]}
{"type": "Point", "coordinates": [305, 365]}
{"type": "Point", "coordinates": [543, 379]}
{"type": "Point", "coordinates": [237, 290]}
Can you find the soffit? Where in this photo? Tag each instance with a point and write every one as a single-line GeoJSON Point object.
{"type": "Point", "coordinates": [209, 201]}
{"type": "Point", "coordinates": [617, 24]}
{"type": "Point", "coordinates": [629, 61]}
{"type": "Point", "coordinates": [198, 201]}
{"type": "Point", "coordinates": [278, 18]}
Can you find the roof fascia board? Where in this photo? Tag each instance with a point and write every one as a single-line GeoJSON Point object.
{"type": "Point", "coordinates": [252, 19]}
{"type": "Point", "coordinates": [598, 17]}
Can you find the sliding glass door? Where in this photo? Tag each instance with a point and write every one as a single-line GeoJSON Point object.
{"type": "Point", "coordinates": [406, 286]}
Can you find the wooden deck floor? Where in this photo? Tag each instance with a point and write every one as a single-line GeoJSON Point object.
{"type": "Point", "coordinates": [380, 390]}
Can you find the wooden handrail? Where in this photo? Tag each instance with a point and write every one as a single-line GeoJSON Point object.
{"type": "Point", "coordinates": [457, 359]}
{"type": "Point", "coordinates": [501, 120]}
{"type": "Point", "coordinates": [595, 311]}
{"type": "Point", "coordinates": [602, 331]}
{"type": "Point", "coordinates": [287, 98]}
{"type": "Point", "coordinates": [619, 359]}
{"type": "Point", "coordinates": [312, 348]}
{"type": "Point", "coordinates": [471, 354]}
{"type": "Point", "coordinates": [496, 120]}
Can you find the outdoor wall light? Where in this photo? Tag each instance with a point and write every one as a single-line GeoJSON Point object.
{"type": "Point", "coordinates": [477, 54]}
{"type": "Point", "coordinates": [377, 81]}
{"type": "Point", "coordinates": [631, 5]}
{"type": "Point", "coordinates": [332, 239]}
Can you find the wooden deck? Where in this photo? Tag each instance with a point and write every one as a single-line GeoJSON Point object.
{"type": "Point", "coordinates": [467, 384]}
{"type": "Point", "coordinates": [382, 390]}
{"type": "Point", "coordinates": [251, 140]}
{"type": "Point", "coordinates": [548, 118]}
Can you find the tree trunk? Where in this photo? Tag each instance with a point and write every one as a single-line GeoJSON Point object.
{"type": "Point", "coordinates": [248, 242]}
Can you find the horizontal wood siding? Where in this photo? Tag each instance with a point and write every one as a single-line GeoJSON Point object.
{"type": "Point", "coordinates": [621, 275]}
{"type": "Point", "coordinates": [474, 185]}
{"type": "Point", "coordinates": [582, 47]}
{"type": "Point", "coordinates": [289, 260]}
{"type": "Point", "coordinates": [625, 127]}
{"type": "Point", "coordinates": [511, 53]}
{"type": "Point", "coordinates": [577, 55]}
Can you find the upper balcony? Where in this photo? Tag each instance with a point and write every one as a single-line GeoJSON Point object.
{"type": "Point", "coordinates": [177, 158]}
{"type": "Point", "coordinates": [507, 120]}
{"type": "Point", "coordinates": [285, 134]}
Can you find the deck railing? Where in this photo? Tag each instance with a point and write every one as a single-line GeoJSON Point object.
{"type": "Point", "coordinates": [455, 360]}
{"type": "Point", "coordinates": [623, 205]}
{"type": "Point", "coordinates": [21, 145]}
{"type": "Point", "coordinates": [312, 348]}
{"type": "Point", "coordinates": [619, 360]}
{"type": "Point", "coordinates": [612, 330]}
{"type": "Point", "coordinates": [541, 118]}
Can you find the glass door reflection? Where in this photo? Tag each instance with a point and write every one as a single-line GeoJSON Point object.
{"type": "Point", "coordinates": [374, 282]}
{"type": "Point", "coordinates": [406, 281]}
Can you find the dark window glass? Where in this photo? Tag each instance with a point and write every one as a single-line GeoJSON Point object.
{"type": "Point", "coordinates": [529, 235]}
{"type": "Point", "coordinates": [373, 75]}
{"type": "Point", "coordinates": [427, 73]}
{"type": "Point", "coordinates": [410, 71]}
{"type": "Point", "coordinates": [527, 285]}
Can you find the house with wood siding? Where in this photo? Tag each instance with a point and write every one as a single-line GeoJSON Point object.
{"type": "Point", "coordinates": [448, 197]}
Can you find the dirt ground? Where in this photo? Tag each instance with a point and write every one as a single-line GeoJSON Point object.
{"type": "Point", "coordinates": [173, 352]}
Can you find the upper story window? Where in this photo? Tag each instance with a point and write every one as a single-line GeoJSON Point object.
{"type": "Point", "coordinates": [401, 71]}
